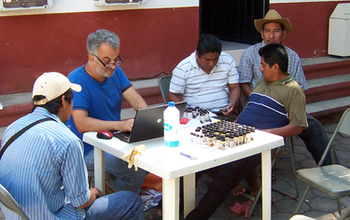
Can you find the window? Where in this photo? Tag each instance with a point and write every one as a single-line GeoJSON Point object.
{"type": "Point", "coordinates": [24, 4]}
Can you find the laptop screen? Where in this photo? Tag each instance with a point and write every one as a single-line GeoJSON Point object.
{"type": "Point", "coordinates": [148, 122]}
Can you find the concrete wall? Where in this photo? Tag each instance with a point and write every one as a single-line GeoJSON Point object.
{"type": "Point", "coordinates": [310, 21]}
{"type": "Point", "coordinates": [154, 36]}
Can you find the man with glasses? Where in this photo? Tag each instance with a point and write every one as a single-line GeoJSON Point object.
{"type": "Point", "coordinates": [97, 107]}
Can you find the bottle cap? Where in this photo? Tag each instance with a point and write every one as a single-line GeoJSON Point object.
{"type": "Point", "coordinates": [171, 104]}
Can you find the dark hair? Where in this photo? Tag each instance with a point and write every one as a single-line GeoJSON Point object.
{"type": "Point", "coordinates": [53, 106]}
{"type": "Point", "coordinates": [208, 43]}
{"type": "Point", "coordinates": [275, 53]}
{"type": "Point", "coordinates": [282, 26]}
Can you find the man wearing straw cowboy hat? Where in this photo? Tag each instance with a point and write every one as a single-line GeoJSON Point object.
{"type": "Point", "coordinates": [273, 29]}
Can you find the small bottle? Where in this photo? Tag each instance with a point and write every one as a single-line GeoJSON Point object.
{"type": "Point", "coordinates": [198, 130]}
{"type": "Point", "coordinates": [202, 117]}
{"type": "Point", "coordinates": [193, 137]}
{"type": "Point", "coordinates": [206, 115]}
{"type": "Point", "coordinates": [223, 143]}
{"type": "Point", "coordinates": [252, 131]}
{"type": "Point", "coordinates": [218, 141]}
{"type": "Point", "coordinates": [240, 139]}
{"type": "Point", "coordinates": [171, 117]}
{"type": "Point", "coordinates": [197, 109]}
{"type": "Point", "coordinates": [206, 139]}
{"type": "Point", "coordinates": [211, 140]}
{"type": "Point", "coordinates": [236, 138]}
{"type": "Point", "coordinates": [227, 140]}
{"type": "Point", "coordinates": [244, 132]}
{"type": "Point", "coordinates": [232, 143]}
{"type": "Point", "coordinates": [185, 115]}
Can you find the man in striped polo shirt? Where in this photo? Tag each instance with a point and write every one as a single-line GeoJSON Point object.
{"type": "Point", "coordinates": [277, 106]}
{"type": "Point", "coordinates": [208, 78]}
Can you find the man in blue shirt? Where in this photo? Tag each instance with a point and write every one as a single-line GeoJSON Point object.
{"type": "Point", "coordinates": [97, 107]}
{"type": "Point", "coordinates": [44, 168]}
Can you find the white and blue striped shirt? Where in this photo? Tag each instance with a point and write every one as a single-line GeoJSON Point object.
{"type": "Point", "coordinates": [44, 169]}
{"type": "Point", "coordinates": [208, 91]}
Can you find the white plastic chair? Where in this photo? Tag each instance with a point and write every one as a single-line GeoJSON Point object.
{"type": "Point", "coordinates": [334, 180]}
{"type": "Point", "coordinates": [9, 202]}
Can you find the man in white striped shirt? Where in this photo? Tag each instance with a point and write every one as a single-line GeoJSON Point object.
{"type": "Point", "coordinates": [44, 168]}
{"type": "Point", "coordinates": [208, 78]}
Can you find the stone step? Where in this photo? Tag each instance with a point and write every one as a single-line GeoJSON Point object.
{"type": "Point", "coordinates": [325, 66]}
{"type": "Point", "coordinates": [328, 88]}
{"type": "Point", "coordinates": [330, 110]}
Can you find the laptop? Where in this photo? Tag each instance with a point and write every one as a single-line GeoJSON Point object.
{"type": "Point", "coordinates": [148, 123]}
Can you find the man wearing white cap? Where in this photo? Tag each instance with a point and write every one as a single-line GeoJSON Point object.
{"type": "Point", "coordinates": [42, 164]}
{"type": "Point", "coordinates": [273, 29]}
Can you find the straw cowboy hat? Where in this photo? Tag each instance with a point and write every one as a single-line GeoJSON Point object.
{"type": "Point", "coordinates": [273, 16]}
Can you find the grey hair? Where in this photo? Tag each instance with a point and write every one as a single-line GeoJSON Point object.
{"type": "Point", "coordinates": [95, 39]}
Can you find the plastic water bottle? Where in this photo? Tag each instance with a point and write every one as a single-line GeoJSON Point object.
{"type": "Point", "coordinates": [171, 117]}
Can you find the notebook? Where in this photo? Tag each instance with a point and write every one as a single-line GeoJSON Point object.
{"type": "Point", "coordinates": [148, 123]}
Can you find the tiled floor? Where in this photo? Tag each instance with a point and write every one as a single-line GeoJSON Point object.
{"type": "Point", "coordinates": [318, 205]}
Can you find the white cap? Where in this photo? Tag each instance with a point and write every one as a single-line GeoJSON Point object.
{"type": "Point", "coordinates": [52, 85]}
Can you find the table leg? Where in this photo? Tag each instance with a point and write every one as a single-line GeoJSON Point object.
{"type": "Point", "coordinates": [170, 199]}
{"type": "Point", "coordinates": [266, 184]}
{"type": "Point", "coordinates": [99, 169]}
{"type": "Point", "coordinates": [189, 193]}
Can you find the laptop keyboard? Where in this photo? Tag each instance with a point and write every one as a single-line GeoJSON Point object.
{"type": "Point", "coordinates": [123, 136]}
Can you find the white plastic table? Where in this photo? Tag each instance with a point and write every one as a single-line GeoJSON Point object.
{"type": "Point", "coordinates": [168, 164]}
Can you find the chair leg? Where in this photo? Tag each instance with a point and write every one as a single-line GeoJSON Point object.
{"type": "Point", "coordinates": [302, 199]}
{"type": "Point", "coordinates": [292, 157]}
{"type": "Point", "coordinates": [260, 190]}
{"type": "Point", "coordinates": [289, 142]}
{"type": "Point", "coordinates": [345, 214]}
{"type": "Point", "coordinates": [255, 202]}
{"type": "Point", "coordinates": [339, 206]}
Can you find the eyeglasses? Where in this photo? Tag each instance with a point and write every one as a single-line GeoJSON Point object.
{"type": "Point", "coordinates": [109, 65]}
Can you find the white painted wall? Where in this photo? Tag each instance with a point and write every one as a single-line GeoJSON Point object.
{"type": "Point", "coordinates": [68, 6]}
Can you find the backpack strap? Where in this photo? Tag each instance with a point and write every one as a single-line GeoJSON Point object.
{"type": "Point", "coordinates": [19, 133]}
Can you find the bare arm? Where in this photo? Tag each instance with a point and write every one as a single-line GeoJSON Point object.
{"type": "Point", "coordinates": [84, 123]}
{"type": "Point", "coordinates": [286, 131]}
{"type": "Point", "coordinates": [246, 90]}
{"type": "Point", "coordinates": [235, 93]}
{"type": "Point", "coordinates": [94, 194]}
{"type": "Point", "coordinates": [176, 97]}
{"type": "Point", "coordinates": [134, 98]}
